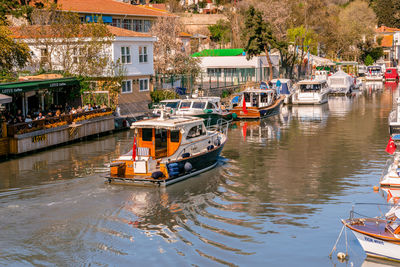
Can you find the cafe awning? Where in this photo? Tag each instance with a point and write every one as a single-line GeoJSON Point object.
{"type": "Point", "coordinates": [4, 99]}
{"type": "Point", "coordinates": [26, 86]}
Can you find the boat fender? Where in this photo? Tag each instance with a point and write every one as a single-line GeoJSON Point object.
{"type": "Point", "coordinates": [217, 142]}
{"type": "Point", "coordinates": [185, 155]}
{"type": "Point", "coordinates": [188, 167]}
{"type": "Point", "coordinates": [211, 147]}
{"type": "Point", "coordinates": [171, 165]}
{"type": "Point", "coordinates": [208, 111]}
{"type": "Point", "coordinates": [157, 175]}
{"type": "Point", "coordinates": [234, 116]}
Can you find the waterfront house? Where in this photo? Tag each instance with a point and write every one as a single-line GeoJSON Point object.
{"type": "Point", "coordinates": [390, 42]}
{"type": "Point", "coordinates": [130, 51]}
{"type": "Point", "coordinates": [120, 14]}
{"type": "Point", "coordinates": [232, 65]}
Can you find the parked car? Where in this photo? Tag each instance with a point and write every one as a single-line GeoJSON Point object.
{"type": "Point", "coordinates": [391, 74]}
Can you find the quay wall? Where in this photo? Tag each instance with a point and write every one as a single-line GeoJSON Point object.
{"type": "Point", "coordinates": [22, 143]}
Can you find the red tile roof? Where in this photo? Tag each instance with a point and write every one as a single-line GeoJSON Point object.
{"type": "Point", "coordinates": [185, 34]}
{"type": "Point", "coordinates": [384, 29]}
{"type": "Point", "coordinates": [26, 32]}
{"type": "Point", "coordinates": [110, 7]}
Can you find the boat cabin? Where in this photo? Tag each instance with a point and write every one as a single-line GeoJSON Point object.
{"type": "Point", "coordinates": [374, 70]}
{"type": "Point", "coordinates": [258, 97]}
{"type": "Point", "coordinates": [393, 219]}
{"type": "Point", "coordinates": [310, 86]}
{"type": "Point", "coordinates": [199, 104]}
{"type": "Point", "coordinates": [158, 138]}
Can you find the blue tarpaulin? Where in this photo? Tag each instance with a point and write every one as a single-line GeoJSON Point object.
{"type": "Point", "coordinates": [235, 100]}
{"type": "Point", "coordinates": [285, 89]}
{"type": "Point", "coordinates": [180, 90]}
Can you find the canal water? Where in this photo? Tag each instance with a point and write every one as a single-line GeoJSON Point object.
{"type": "Point", "coordinates": [275, 199]}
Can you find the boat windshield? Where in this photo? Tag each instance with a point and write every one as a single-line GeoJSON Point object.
{"type": "Point", "coordinates": [310, 87]}
{"type": "Point", "coordinates": [172, 104]}
{"type": "Point", "coordinates": [199, 105]}
{"type": "Point", "coordinates": [185, 105]}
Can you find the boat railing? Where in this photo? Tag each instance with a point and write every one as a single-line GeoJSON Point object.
{"type": "Point", "coordinates": [221, 126]}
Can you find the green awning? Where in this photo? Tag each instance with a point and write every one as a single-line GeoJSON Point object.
{"type": "Point", "coordinates": [26, 86]}
{"type": "Point", "coordinates": [219, 52]}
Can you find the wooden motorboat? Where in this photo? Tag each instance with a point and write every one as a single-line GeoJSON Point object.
{"type": "Point", "coordinates": [168, 150]}
{"type": "Point", "coordinates": [379, 237]}
{"type": "Point", "coordinates": [257, 103]}
{"type": "Point", "coordinates": [311, 92]}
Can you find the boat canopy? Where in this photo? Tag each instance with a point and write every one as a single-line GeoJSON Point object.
{"type": "Point", "coordinates": [172, 123]}
{"type": "Point", "coordinates": [340, 79]}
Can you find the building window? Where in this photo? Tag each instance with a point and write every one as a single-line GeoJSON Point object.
{"type": "Point", "coordinates": [127, 24]}
{"type": "Point", "coordinates": [116, 23]}
{"type": "Point", "coordinates": [143, 84]}
{"type": "Point", "coordinates": [43, 56]}
{"type": "Point", "coordinates": [142, 54]}
{"type": "Point", "coordinates": [141, 25]}
{"type": "Point", "coordinates": [147, 25]}
{"type": "Point", "coordinates": [127, 86]}
{"type": "Point", "coordinates": [125, 55]}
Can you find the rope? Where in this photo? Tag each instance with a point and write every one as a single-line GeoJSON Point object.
{"type": "Point", "coordinates": [337, 240]}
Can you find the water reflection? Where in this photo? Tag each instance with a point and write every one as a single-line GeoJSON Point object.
{"type": "Point", "coordinates": [275, 198]}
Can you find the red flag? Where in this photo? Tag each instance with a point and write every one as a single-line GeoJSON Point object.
{"type": "Point", "coordinates": [244, 129]}
{"type": "Point", "coordinates": [389, 196]}
{"type": "Point", "coordinates": [391, 146]}
{"type": "Point", "coordinates": [244, 108]}
{"type": "Point", "coordinates": [134, 148]}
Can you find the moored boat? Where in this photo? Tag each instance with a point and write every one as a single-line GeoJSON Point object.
{"type": "Point", "coordinates": [207, 108]}
{"type": "Point", "coordinates": [285, 88]}
{"type": "Point", "coordinates": [311, 92]}
{"type": "Point", "coordinates": [257, 103]}
{"type": "Point", "coordinates": [379, 237]}
{"type": "Point", "coordinates": [374, 73]}
{"type": "Point", "coordinates": [168, 150]}
{"type": "Point", "coordinates": [341, 83]}
{"type": "Point", "coordinates": [391, 175]}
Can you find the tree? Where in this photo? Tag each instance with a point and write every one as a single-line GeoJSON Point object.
{"type": "Point", "coordinates": [220, 32]}
{"type": "Point", "coordinates": [13, 54]}
{"type": "Point", "coordinates": [387, 12]}
{"type": "Point", "coordinates": [368, 60]}
{"type": "Point", "coordinates": [169, 55]}
{"type": "Point", "coordinates": [258, 36]}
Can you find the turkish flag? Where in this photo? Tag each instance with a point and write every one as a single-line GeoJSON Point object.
{"type": "Point", "coordinates": [244, 108]}
{"type": "Point", "coordinates": [391, 146]}
{"type": "Point", "coordinates": [134, 149]}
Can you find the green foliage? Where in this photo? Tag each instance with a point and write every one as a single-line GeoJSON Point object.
{"type": "Point", "coordinates": [220, 32]}
{"type": "Point", "coordinates": [303, 38]}
{"type": "Point", "coordinates": [258, 34]}
{"type": "Point", "coordinates": [157, 96]}
{"type": "Point", "coordinates": [368, 60]}
{"type": "Point", "coordinates": [387, 12]}
{"type": "Point", "coordinates": [13, 54]}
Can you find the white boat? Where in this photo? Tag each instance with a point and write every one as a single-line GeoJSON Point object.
{"type": "Point", "coordinates": [169, 105]}
{"type": "Point", "coordinates": [394, 121]}
{"type": "Point", "coordinates": [374, 73]}
{"type": "Point", "coordinates": [286, 88]}
{"type": "Point", "coordinates": [378, 237]}
{"type": "Point", "coordinates": [391, 174]}
{"type": "Point", "coordinates": [311, 92]}
{"type": "Point", "coordinates": [321, 75]}
{"type": "Point", "coordinates": [168, 150]}
{"type": "Point", "coordinates": [341, 83]}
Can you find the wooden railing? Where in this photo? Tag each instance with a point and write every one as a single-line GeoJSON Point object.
{"type": "Point", "coordinates": [41, 124]}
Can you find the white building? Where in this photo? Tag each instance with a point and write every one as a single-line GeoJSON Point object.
{"type": "Point", "coordinates": [131, 51]}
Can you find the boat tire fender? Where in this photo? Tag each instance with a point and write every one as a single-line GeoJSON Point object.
{"type": "Point", "coordinates": [210, 147]}
{"type": "Point", "coordinates": [188, 166]}
{"type": "Point", "coordinates": [157, 175]}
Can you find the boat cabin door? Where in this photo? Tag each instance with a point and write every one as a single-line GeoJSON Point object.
{"type": "Point", "coordinates": [161, 143]}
